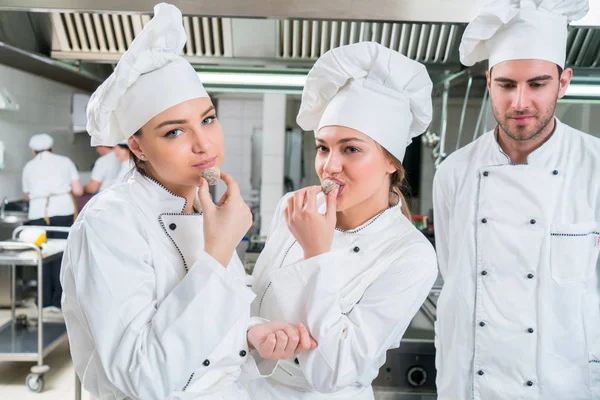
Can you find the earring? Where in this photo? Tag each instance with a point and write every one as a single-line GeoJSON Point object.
{"type": "Point", "coordinates": [142, 157]}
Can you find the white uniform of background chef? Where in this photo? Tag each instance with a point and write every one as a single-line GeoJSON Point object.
{"type": "Point", "coordinates": [127, 166]}
{"type": "Point", "coordinates": [106, 170]}
{"type": "Point", "coordinates": [517, 223]}
{"type": "Point", "coordinates": [155, 299]}
{"type": "Point", "coordinates": [48, 181]}
{"type": "Point", "coordinates": [357, 275]}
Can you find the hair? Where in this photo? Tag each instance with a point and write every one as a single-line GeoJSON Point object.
{"type": "Point", "coordinates": [398, 184]}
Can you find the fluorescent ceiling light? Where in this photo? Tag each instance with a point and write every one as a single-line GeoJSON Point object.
{"type": "Point", "coordinates": [266, 80]}
{"type": "Point", "coordinates": [583, 91]}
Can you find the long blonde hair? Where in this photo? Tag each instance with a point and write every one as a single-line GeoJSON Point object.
{"type": "Point", "coordinates": [398, 183]}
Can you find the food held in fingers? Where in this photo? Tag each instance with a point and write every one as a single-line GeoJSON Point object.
{"type": "Point", "coordinates": [212, 175]}
{"type": "Point", "coordinates": [328, 185]}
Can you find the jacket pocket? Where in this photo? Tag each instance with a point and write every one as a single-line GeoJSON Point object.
{"type": "Point", "coordinates": [574, 250]}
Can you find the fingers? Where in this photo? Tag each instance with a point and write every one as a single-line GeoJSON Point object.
{"type": "Point", "coordinates": [282, 341]}
{"type": "Point", "coordinates": [232, 187]}
{"type": "Point", "coordinates": [292, 341]}
{"type": "Point", "coordinates": [299, 200]}
{"type": "Point", "coordinates": [204, 196]}
{"type": "Point", "coordinates": [267, 347]}
{"type": "Point", "coordinates": [311, 198]}
{"type": "Point", "coordinates": [304, 342]}
{"type": "Point", "coordinates": [290, 206]}
{"type": "Point", "coordinates": [331, 203]}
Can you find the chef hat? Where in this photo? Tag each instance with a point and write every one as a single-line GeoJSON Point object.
{"type": "Point", "coordinates": [150, 78]}
{"type": "Point", "coordinates": [41, 142]}
{"type": "Point", "coordinates": [370, 88]}
{"type": "Point", "coordinates": [521, 29]}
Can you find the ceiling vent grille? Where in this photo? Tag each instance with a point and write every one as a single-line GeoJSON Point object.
{"type": "Point", "coordinates": [427, 43]}
{"type": "Point", "coordinates": [113, 33]}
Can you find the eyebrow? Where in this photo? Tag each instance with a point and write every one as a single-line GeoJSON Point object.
{"type": "Point", "coordinates": [341, 141]}
{"type": "Point", "coordinates": [536, 79]}
{"type": "Point", "coordinates": [183, 121]}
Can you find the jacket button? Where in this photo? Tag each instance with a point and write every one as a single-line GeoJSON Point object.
{"type": "Point", "coordinates": [356, 249]}
{"type": "Point", "coordinates": [297, 362]}
{"type": "Point", "coordinates": [555, 172]}
{"type": "Point", "coordinates": [486, 173]}
{"type": "Point", "coordinates": [243, 353]}
{"type": "Point", "coordinates": [530, 330]}
{"type": "Point", "coordinates": [484, 273]}
{"type": "Point", "coordinates": [480, 372]}
{"type": "Point", "coordinates": [529, 383]}
{"type": "Point", "coordinates": [530, 276]}
{"type": "Point", "coordinates": [206, 363]}
{"type": "Point", "coordinates": [484, 221]}
{"type": "Point", "coordinates": [172, 227]}
{"type": "Point", "coordinates": [532, 222]}
{"type": "Point", "coordinates": [482, 324]}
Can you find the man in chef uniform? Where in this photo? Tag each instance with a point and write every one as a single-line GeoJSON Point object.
{"type": "Point", "coordinates": [49, 181]}
{"type": "Point", "coordinates": [517, 223]}
{"type": "Point", "coordinates": [105, 171]}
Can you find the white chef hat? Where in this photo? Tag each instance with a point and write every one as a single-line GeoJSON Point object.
{"type": "Point", "coordinates": [150, 78]}
{"type": "Point", "coordinates": [370, 88]}
{"type": "Point", "coordinates": [521, 29]}
{"type": "Point", "coordinates": [41, 142]}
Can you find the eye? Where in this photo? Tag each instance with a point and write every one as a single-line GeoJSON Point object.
{"type": "Point", "coordinates": [321, 149]}
{"type": "Point", "coordinates": [351, 149]}
{"type": "Point", "coordinates": [537, 85]}
{"type": "Point", "coordinates": [209, 120]}
{"type": "Point", "coordinates": [173, 133]}
{"type": "Point", "coordinates": [507, 86]}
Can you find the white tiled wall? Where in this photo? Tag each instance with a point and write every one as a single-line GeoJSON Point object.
{"type": "Point", "coordinates": [239, 117]}
{"type": "Point", "coordinates": [274, 124]}
{"type": "Point", "coordinates": [44, 106]}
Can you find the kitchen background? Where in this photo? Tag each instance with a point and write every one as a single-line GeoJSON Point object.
{"type": "Point", "coordinates": [252, 56]}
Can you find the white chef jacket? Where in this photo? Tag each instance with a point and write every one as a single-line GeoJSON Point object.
{"type": "Point", "coordinates": [47, 178]}
{"type": "Point", "coordinates": [140, 325]}
{"type": "Point", "coordinates": [519, 313]}
{"type": "Point", "coordinates": [126, 171]}
{"type": "Point", "coordinates": [106, 170]}
{"type": "Point", "coordinates": [356, 300]}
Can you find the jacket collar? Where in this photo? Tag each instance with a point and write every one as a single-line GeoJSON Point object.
{"type": "Point", "coordinates": [539, 157]}
{"type": "Point", "coordinates": [156, 197]}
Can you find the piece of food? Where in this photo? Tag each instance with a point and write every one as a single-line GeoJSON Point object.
{"type": "Point", "coordinates": [212, 175]}
{"type": "Point", "coordinates": [328, 185]}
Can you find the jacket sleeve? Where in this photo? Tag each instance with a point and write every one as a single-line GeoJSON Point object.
{"type": "Point", "coordinates": [147, 349]}
{"type": "Point", "coordinates": [442, 198]}
{"type": "Point", "coordinates": [352, 346]}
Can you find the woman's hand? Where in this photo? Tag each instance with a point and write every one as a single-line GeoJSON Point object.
{"type": "Point", "coordinates": [312, 230]}
{"type": "Point", "coordinates": [279, 340]}
{"type": "Point", "coordinates": [225, 224]}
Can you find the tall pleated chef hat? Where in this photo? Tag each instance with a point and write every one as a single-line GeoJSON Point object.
{"type": "Point", "coordinates": [41, 142]}
{"type": "Point", "coordinates": [150, 78]}
{"type": "Point", "coordinates": [370, 88]}
{"type": "Point", "coordinates": [521, 29]}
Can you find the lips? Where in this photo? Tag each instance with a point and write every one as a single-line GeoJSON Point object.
{"type": "Point", "coordinates": [209, 163]}
{"type": "Point", "coordinates": [522, 119]}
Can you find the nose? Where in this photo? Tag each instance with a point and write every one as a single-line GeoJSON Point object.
{"type": "Point", "coordinates": [200, 141]}
{"type": "Point", "coordinates": [333, 164]}
{"type": "Point", "coordinates": [521, 98]}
